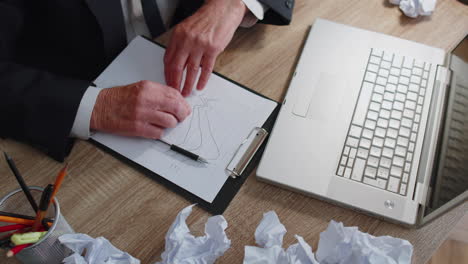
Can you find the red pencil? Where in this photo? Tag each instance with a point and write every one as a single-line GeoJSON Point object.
{"type": "Point", "coordinates": [11, 227]}
{"type": "Point", "coordinates": [16, 249]}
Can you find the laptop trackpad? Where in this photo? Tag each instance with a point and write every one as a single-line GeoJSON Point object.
{"type": "Point", "coordinates": [323, 99]}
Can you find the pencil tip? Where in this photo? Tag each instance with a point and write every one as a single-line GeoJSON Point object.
{"type": "Point", "coordinates": [9, 254]}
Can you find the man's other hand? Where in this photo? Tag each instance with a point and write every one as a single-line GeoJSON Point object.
{"type": "Point", "coordinates": [142, 109]}
{"type": "Point", "coordinates": [198, 40]}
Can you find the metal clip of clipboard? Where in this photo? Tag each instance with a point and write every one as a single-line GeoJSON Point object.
{"type": "Point", "coordinates": [246, 151]}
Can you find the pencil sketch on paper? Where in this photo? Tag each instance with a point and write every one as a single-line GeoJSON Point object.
{"type": "Point", "coordinates": [196, 134]}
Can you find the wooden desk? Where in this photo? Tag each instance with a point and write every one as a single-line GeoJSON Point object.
{"type": "Point", "coordinates": [104, 197]}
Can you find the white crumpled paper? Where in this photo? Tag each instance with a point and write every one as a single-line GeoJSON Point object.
{"type": "Point", "coordinates": [183, 247]}
{"type": "Point", "coordinates": [337, 245]}
{"type": "Point", "coordinates": [415, 8]}
{"type": "Point", "coordinates": [269, 235]}
{"type": "Point", "coordinates": [98, 251]}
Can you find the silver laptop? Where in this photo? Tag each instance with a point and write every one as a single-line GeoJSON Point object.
{"type": "Point", "coordinates": [374, 122]}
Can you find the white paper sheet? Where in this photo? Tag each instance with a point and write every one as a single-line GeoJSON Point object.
{"type": "Point", "coordinates": [415, 8]}
{"type": "Point", "coordinates": [269, 236]}
{"type": "Point", "coordinates": [96, 251]}
{"type": "Point", "coordinates": [337, 245]}
{"type": "Point", "coordinates": [183, 247]}
{"type": "Point", "coordinates": [340, 244]}
{"type": "Point", "coordinates": [223, 115]}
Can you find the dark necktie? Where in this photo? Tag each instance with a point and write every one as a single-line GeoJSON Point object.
{"type": "Point", "coordinates": [153, 17]}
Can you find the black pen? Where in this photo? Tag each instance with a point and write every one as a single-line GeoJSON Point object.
{"type": "Point", "coordinates": [21, 182]}
{"type": "Point", "coordinates": [184, 152]}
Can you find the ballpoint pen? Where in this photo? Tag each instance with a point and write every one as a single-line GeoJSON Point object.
{"type": "Point", "coordinates": [184, 152]}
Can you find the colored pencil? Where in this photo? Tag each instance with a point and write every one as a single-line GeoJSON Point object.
{"type": "Point", "coordinates": [20, 180]}
{"type": "Point", "coordinates": [43, 206]}
{"type": "Point", "coordinates": [24, 216]}
{"type": "Point", "coordinates": [16, 250]}
{"type": "Point", "coordinates": [15, 220]}
{"type": "Point", "coordinates": [12, 227]}
{"type": "Point", "coordinates": [58, 182]}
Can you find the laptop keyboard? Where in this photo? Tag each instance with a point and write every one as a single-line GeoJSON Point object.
{"type": "Point", "coordinates": [381, 139]}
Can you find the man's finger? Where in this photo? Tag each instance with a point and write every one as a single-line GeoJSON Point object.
{"type": "Point", "coordinates": [193, 66]}
{"type": "Point", "coordinates": [162, 119]}
{"type": "Point", "coordinates": [139, 129]}
{"type": "Point", "coordinates": [168, 58]}
{"type": "Point", "coordinates": [177, 107]}
{"type": "Point", "coordinates": [207, 65]}
{"type": "Point", "coordinates": [176, 67]}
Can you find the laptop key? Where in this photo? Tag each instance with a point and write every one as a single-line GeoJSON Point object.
{"type": "Point", "coordinates": [347, 173]}
{"type": "Point", "coordinates": [373, 67]}
{"type": "Point", "coordinates": [385, 162]}
{"type": "Point", "coordinates": [375, 151]}
{"type": "Point", "coordinates": [352, 153]}
{"type": "Point", "coordinates": [372, 115]}
{"type": "Point", "coordinates": [346, 150]}
{"type": "Point", "coordinates": [370, 172]}
{"type": "Point", "coordinates": [387, 152]}
{"type": "Point", "coordinates": [417, 71]}
{"type": "Point", "coordinates": [362, 153]}
{"type": "Point", "coordinates": [390, 142]}
{"type": "Point", "coordinates": [373, 161]}
{"type": "Point", "coordinates": [365, 143]}
{"type": "Point", "coordinates": [340, 171]}
{"type": "Point", "coordinates": [403, 189]}
{"type": "Point", "coordinates": [400, 151]}
{"type": "Point", "coordinates": [396, 171]}
{"type": "Point", "coordinates": [363, 101]}
{"type": "Point", "coordinates": [406, 72]}
{"type": "Point", "coordinates": [393, 184]}
{"type": "Point", "coordinates": [352, 142]}
{"type": "Point", "coordinates": [367, 133]}
{"type": "Point", "coordinates": [383, 173]}
{"type": "Point", "coordinates": [385, 65]}
{"type": "Point", "coordinates": [407, 167]}
{"type": "Point", "coordinates": [355, 131]}
{"type": "Point", "coordinates": [343, 161]}
{"type": "Point", "coordinates": [405, 177]}
{"type": "Point", "coordinates": [358, 169]}
{"type": "Point", "coordinates": [380, 183]}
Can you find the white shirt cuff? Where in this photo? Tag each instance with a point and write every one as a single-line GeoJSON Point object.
{"type": "Point", "coordinates": [258, 9]}
{"type": "Point", "coordinates": [82, 122]}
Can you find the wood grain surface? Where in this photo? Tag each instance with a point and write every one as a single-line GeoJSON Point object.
{"type": "Point", "coordinates": [102, 196]}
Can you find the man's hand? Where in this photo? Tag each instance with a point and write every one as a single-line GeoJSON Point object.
{"type": "Point", "coordinates": [142, 109]}
{"type": "Point", "coordinates": [198, 40]}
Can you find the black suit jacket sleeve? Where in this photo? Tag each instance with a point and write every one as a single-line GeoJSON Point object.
{"type": "Point", "coordinates": [279, 11]}
{"type": "Point", "coordinates": [36, 106]}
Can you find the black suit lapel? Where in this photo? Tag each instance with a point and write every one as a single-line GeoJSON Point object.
{"type": "Point", "coordinates": [109, 15]}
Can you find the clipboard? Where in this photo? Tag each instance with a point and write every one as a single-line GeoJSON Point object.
{"type": "Point", "coordinates": [242, 164]}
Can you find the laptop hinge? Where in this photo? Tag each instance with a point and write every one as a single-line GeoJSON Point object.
{"type": "Point", "coordinates": [422, 189]}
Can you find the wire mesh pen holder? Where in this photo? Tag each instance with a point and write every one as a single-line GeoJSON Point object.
{"type": "Point", "coordinates": [47, 250]}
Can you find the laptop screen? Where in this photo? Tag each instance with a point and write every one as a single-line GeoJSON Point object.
{"type": "Point", "coordinates": [450, 179]}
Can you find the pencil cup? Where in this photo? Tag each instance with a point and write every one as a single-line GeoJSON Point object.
{"type": "Point", "coordinates": [48, 249]}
